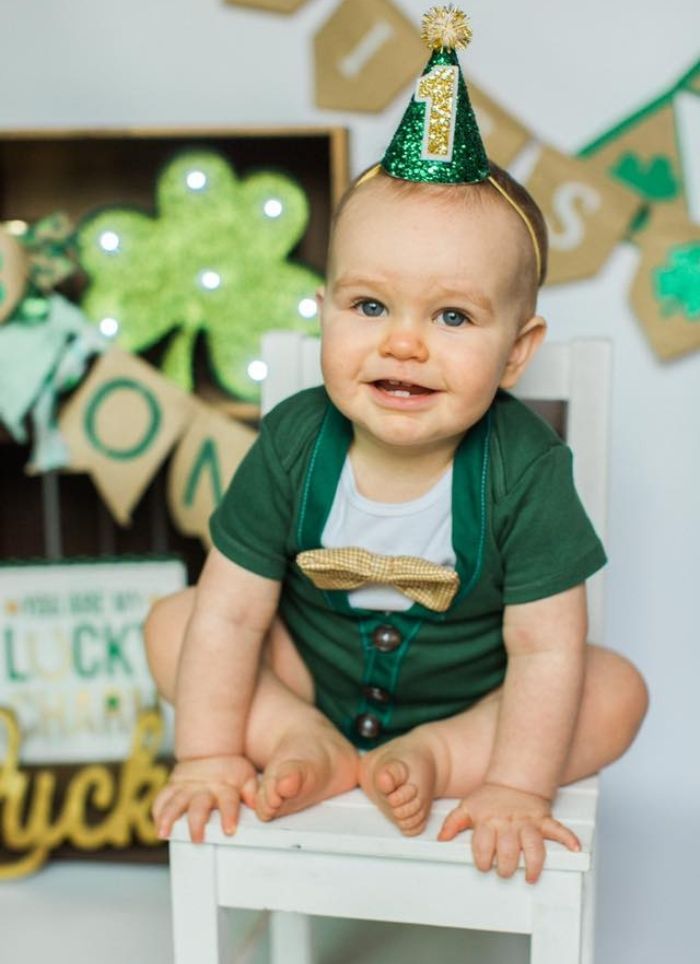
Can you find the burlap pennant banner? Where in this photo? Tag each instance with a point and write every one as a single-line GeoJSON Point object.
{"type": "Point", "coordinates": [504, 137]}
{"type": "Point", "coordinates": [587, 214]}
{"type": "Point", "coordinates": [121, 424]}
{"type": "Point", "coordinates": [692, 81]}
{"type": "Point", "coordinates": [665, 293]}
{"type": "Point", "coordinates": [276, 6]}
{"type": "Point", "coordinates": [201, 468]}
{"type": "Point", "coordinates": [364, 54]}
{"type": "Point", "coordinates": [14, 267]}
{"type": "Point", "coordinates": [642, 154]}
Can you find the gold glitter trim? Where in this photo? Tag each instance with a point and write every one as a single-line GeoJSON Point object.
{"type": "Point", "coordinates": [526, 222]}
{"type": "Point", "coordinates": [438, 90]}
{"type": "Point", "coordinates": [446, 27]}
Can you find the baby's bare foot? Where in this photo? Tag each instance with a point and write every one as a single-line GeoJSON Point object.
{"type": "Point", "coordinates": [400, 778]}
{"type": "Point", "coordinates": [304, 769]}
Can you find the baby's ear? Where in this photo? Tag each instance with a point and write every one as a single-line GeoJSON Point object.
{"type": "Point", "coordinates": [528, 340]}
{"type": "Point", "coordinates": [320, 295]}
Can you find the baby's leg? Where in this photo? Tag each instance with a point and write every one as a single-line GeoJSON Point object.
{"type": "Point", "coordinates": [449, 758]}
{"type": "Point", "coordinates": [304, 757]}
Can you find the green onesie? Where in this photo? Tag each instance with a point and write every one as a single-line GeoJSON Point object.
{"type": "Point", "coordinates": [519, 533]}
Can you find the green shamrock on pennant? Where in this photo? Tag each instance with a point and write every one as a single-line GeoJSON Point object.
{"type": "Point", "coordinates": [213, 260]}
{"type": "Point", "coordinates": [677, 284]}
{"type": "Point", "coordinates": [655, 180]}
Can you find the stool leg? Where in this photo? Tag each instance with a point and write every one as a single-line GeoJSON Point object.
{"type": "Point", "coordinates": [556, 935]}
{"type": "Point", "coordinates": [588, 911]}
{"type": "Point", "coordinates": [290, 938]}
{"type": "Point", "coordinates": [199, 934]}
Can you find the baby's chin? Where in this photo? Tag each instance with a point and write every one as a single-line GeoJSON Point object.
{"type": "Point", "coordinates": [404, 437]}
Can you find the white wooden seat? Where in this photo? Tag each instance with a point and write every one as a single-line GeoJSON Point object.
{"type": "Point", "coordinates": [342, 858]}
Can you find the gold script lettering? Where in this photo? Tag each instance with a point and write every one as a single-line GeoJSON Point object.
{"type": "Point", "coordinates": [32, 825]}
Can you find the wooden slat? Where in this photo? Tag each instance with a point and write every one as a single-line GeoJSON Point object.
{"type": "Point", "coordinates": [548, 376]}
{"type": "Point", "coordinates": [281, 352]}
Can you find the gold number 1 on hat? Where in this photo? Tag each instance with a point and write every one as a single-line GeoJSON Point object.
{"type": "Point", "coordinates": [438, 90]}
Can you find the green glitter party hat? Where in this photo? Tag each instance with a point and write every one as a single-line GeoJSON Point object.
{"type": "Point", "coordinates": [438, 139]}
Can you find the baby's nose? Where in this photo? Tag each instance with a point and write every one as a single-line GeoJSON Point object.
{"type": "Point", "coordinates": [404, 340]}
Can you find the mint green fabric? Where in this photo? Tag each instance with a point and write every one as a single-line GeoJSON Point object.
{"type": "Point", "coordinates": [38, 360]}
{"type": "Point", "coordinates": [518, 530]}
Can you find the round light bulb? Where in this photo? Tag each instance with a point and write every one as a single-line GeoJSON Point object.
{"type": "Point", "coordinates": [109, 241]}
{"type": "Point", "coordinates": [109, 327]}
{"type": "Point", "coordinates": [307, 308]}
{"type": "Point", "coordinates": [273, 207]}
{"type": "Point", "coordinates": [257, 370]}
{"type": "Point", "coordinates": [16, 228]}
{"type": "Point", "coordinates": [196, 180]}
{"type": "Point", "coordinates": [209, 279]}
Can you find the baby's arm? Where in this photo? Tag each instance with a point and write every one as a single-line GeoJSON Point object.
{"type": "Point", "coordinates": [510, 812]}
{"type": "Point", "coordinates": [218, 666]}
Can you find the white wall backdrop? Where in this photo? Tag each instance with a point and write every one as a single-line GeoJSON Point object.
{"type": "Point", "coordinates": [567, 70]}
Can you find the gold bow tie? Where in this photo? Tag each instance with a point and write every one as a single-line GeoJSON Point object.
{"type": "Point", "coordinates": [431, 585]}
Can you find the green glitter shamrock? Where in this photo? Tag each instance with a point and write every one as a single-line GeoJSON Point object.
{"type": "Point", "coordinates": [212, 260]}
{"type": "Point", "coordinates": [678, 282]}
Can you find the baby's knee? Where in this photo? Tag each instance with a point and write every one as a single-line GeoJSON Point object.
{"type": "Point", "coordinates": [629, 696]}
{"type": "Point", "coordinates": [163, 632]}
{"type": "Point", "coordinates": [153, 626]}
{"type": "Point", "coordinates": [637, 696]}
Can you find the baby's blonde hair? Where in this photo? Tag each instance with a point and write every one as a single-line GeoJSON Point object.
{"type": "Point", "coordinates": [483, 192]}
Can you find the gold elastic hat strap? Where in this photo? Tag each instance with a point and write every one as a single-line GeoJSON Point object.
{"type": "Point", "coordinates": [526, 222]}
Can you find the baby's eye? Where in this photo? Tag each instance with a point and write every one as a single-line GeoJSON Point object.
{"type": "Point", "coordinates": [452, 317]}
{"type": "Point", "coordinates": [370, 308]}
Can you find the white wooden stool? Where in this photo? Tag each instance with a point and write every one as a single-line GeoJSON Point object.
{"type": "Point", "coordinates": [344, 859]}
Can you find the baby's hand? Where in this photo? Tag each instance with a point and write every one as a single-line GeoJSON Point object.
{"type": "Point", "coordinates": [197, 787]}
{"type": "Point", "coordinates": [505, 822]}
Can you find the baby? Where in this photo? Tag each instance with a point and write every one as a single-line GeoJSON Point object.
{"type": "Point", "coordinates": [461, 671]}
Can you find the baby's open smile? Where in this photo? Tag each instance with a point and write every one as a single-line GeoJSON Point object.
{"type": "Point", "coordinates": [399, 389]}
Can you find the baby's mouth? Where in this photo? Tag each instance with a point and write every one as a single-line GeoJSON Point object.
{"type": "Point", "coordinates": [401, 389]}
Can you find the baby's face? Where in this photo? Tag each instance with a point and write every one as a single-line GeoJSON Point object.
{"type": "Point", "coordinates": [422, 318]}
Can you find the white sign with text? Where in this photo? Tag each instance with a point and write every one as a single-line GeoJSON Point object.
{"type": "Point", "coordinates": [72, 661]}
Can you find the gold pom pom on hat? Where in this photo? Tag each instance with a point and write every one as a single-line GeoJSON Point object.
{"type": "Point", "coordinates": [446, 28]}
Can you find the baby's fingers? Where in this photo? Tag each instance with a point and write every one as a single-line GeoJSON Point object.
{"type": "Point", "coordinates": [200, 807]}
{"type": "Point", "coordinates": [507, 851]}
{"type": "Point", "coordinates": [228, 801]}
{"type": "Point", "coordinates": [484, 846]}
{"type": "Point", "coordinates": [533, 851]}
{"type": "Point", "coordinates": [553, 830]}
{"type": "Point", "coordinates": [161, 801]}
{"type": "Point", "coordinates": [172, 806]}
{"type": "Point", "coordinates": [455, 821]}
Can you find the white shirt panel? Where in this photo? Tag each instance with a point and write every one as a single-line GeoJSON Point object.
{"type": "Point", "coordinates": [421, 527]}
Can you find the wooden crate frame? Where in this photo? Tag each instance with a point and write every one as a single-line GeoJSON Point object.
{"type": "Point", "coordinates": [77, 170]}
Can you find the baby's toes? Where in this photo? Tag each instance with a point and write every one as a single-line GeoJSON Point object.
{"type": "Point", "coordinates": [404, 794]}
{"type": "Point", "coordinates": [408, 810]}
{"type": "Point", "coordinates": [249, 792]}
{"type": "Point", "coordinates": [390, 776]}
{"type": "Point", "coordinates": [289, 781]}
{"type": "Point", "coordinates": [414, 825]}
{"type": "Point", "coordinates": [267, 800]}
